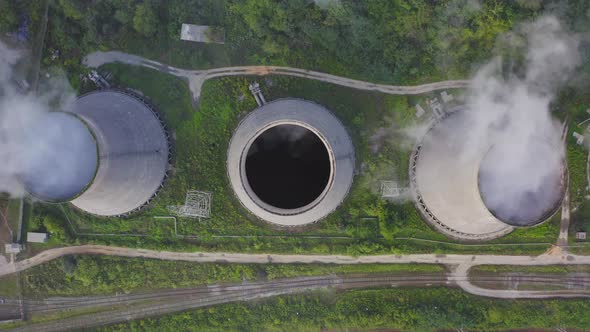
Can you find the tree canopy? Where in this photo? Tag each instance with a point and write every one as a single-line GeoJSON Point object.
{"type": "Point", "coordinates": [8, 18]}
{"type": "Point", "coordinates": [145, 20]}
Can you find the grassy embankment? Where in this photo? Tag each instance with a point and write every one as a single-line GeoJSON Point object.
{"type": "Point", "coordinates": [577, 157]}
{"type": "Point", "coordinates": [552, 269]}
{"type": "Point", "coordinates": [96, 275]}
{"type": "Point", "coordinates": [431, 309]}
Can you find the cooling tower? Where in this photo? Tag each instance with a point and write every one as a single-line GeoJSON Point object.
{"type": "Point", "coordinates": [291, 162]}
{"type": "Point", "coordinates": [110, 158]}
{"type": "Point", "coordinates": [458, 192]}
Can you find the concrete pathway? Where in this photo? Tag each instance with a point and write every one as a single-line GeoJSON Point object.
{"type": "Point", "coordinates": [196, 78]}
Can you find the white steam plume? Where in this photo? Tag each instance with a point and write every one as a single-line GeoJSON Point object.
{"type": "Point", "coordinates": [511, 113]}
{"type": "Point", "coordinates": [33, 140]}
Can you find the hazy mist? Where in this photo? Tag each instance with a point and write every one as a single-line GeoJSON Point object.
{"type": "Point", "coordinates": [50, 152]}
{"type": "Point", "coordinates": [509, 110]}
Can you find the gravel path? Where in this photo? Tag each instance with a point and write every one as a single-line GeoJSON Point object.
{"type": "Point", "coordinates": [197, 77]}
{"type": "Point", "coordinates": [462, 263]}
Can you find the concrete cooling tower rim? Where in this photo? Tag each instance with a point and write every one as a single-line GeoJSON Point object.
{"type": "Point", "coordinates": [314, 118]}
{"type": "Point", "coordinates": [446, 191]}
{"type": "Point", "coordinates": [445, 187]}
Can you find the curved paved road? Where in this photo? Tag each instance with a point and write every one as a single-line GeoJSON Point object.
{"type": "Point", "coordinates": [197, 77]}
{"type": "Point", "coordinates": [461, 263]}
{"type": "Point", "coordinates": [459, 277]}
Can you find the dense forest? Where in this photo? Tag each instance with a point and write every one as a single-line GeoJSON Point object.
{"type": "Point", "coordinates": [396, 41]}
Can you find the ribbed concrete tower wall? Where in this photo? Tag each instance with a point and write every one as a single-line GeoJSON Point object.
{"type": "Point", "coordinates": [444, 184]}
{"type": "Point", "coordinates": [133, 152]}
{"type": "Point", "coordinates": [446, 188]}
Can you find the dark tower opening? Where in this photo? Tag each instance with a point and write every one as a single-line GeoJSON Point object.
{"type": "Point", "coordinates": [288, 166]}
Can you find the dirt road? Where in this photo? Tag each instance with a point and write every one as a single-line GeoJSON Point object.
{"type": "Point", "coordinates": [196, 78]}
{"type": "Point", "coordinates": [461, 263]}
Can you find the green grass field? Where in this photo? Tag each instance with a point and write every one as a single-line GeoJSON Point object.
{"type": "Point", "coordinates": [9, 286]}
{"type": "Point", "coordinates": [92, 275]}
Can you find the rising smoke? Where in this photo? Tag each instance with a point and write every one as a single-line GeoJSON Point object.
{"type": "Point", "coordinates": [45, 150]}
{"type": "Point", "coordinates": [509, 112]}
{"type": "Point", "coordinates": [292, 135]}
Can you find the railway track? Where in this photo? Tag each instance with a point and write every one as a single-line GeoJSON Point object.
{"type": "Point", "coordinates": [135, 306]}
{"type": "Point", "coordinates": [55, 304]}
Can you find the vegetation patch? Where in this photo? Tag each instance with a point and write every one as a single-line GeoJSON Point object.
{"type": "Point", "coordinates": [93, 275]}
{"type": "Point", "coordinates": [430, 309]}
{"type": "Point", "coordinates": [574, 105]}
{"type": "Point", "coordinates": [349, 38]}
{"type": "Point", "coordinates": [9, 286]}
{"type": "Point", "coordinates": [553, 269]}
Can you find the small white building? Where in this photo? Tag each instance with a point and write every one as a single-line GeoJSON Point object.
{"type": "Point", "coordinates": [436, 108]}
{"type": "Point", "coordinates": [202, 33]}
{"type": "Point", "coordinates": [579, 138]}
{"type": "Point", "coordinates": [419, 111]}
{"type": "Point", "coordinates": [100, 81]}
{"type": "Point", "coordinates": [257, 93]}
{"type": "Point", "coordinates": [12, 248]}
{"type": "Point", "coordinates": [581, 236]}
{"type": "Point", "coordinates": [325, 4]}
{"type": "Point", "coordinates": [446, 97]}
{"type": "Point", "coordinates": [37, 237]}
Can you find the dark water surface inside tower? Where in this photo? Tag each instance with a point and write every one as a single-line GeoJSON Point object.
{"type": "Point", "coordinates": [288, 166]}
